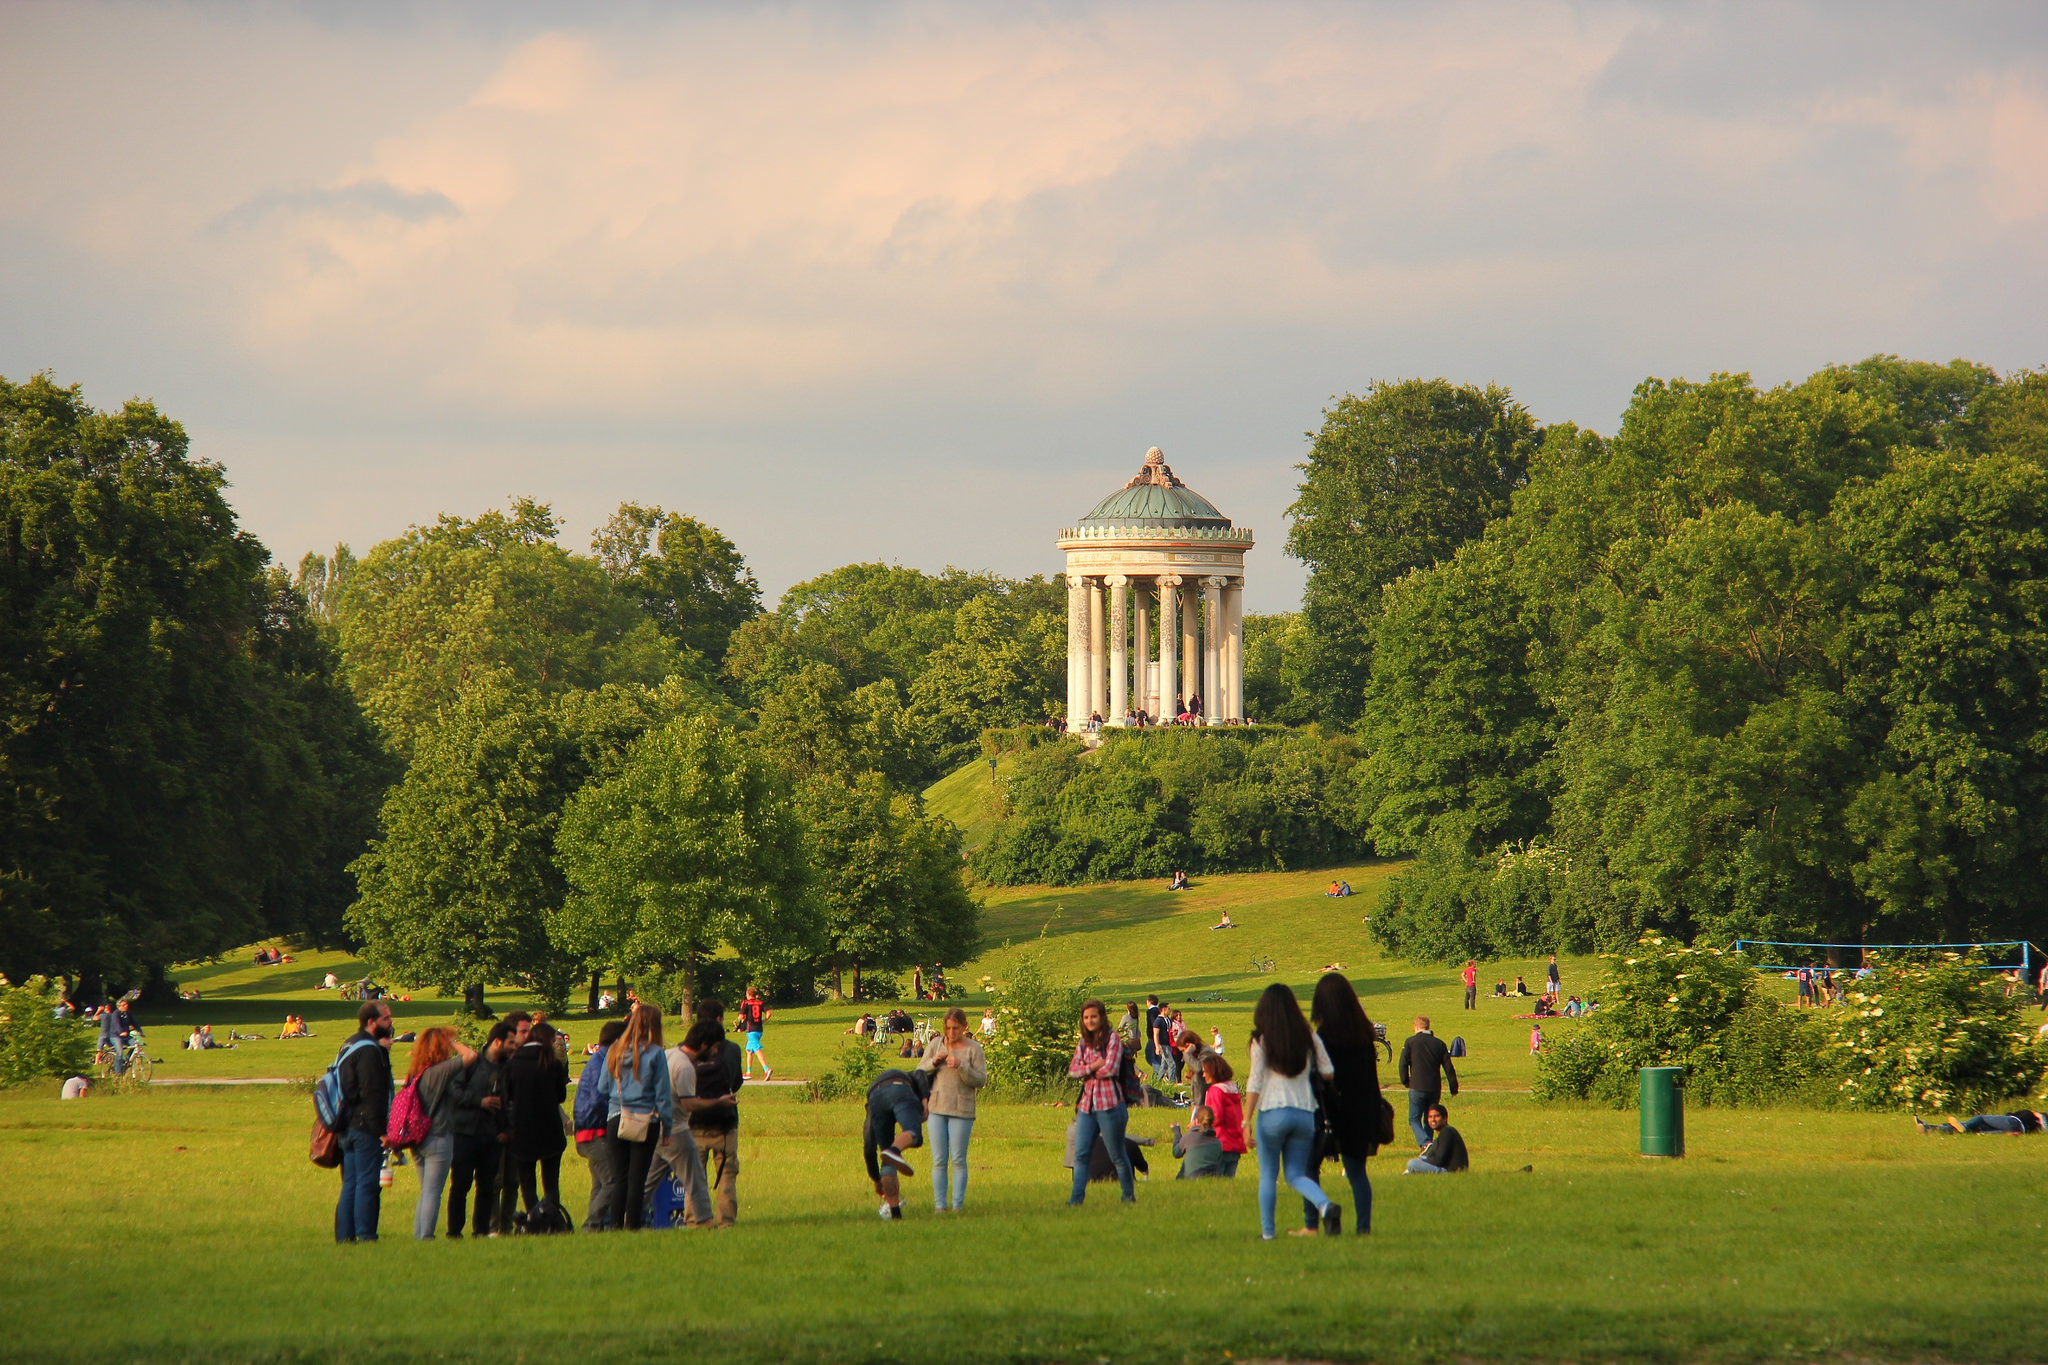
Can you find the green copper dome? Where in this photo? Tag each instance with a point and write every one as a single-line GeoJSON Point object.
{"type": "Point", "coordinates": [1156, 498]}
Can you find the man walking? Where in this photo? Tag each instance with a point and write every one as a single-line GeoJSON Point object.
{"type": "Point", "coordinates": [1471, 976]}
{"type": "Point", "coordinates": [715, 1124]}
{"type": "Point", "coordinates": [754, 1016]}
{"type": "Point", "coordinates": [365, 1071]}
{"type": "Point", "coordinates": [1425, 1062]}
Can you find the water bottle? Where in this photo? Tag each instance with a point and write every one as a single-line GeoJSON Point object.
{"type": "Point", "coordinates": [384, 1175]}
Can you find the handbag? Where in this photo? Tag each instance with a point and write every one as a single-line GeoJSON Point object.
{"type": "Point", "coordinates": [634, 1127]}
{"type": "Point", "coordinates": [325, 1149]}
{"type": "Point", "coordinates": [1386, 1121]}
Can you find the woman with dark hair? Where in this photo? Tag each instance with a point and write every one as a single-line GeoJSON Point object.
{"type": "Point", "coordinates": [638, 1101]}
{"type": "Point", "coordinates": [1352, 1104]}
{"type": "Point", "coordinates": [536, 1083]}
{"type": "Point", "coordinates": [1097, 1062]}
{"type": "Point", "coordinates": [1282, 1100]}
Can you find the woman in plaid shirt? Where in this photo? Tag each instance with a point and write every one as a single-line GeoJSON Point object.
{"type": "Point", "coordinates": [1098, 1058]}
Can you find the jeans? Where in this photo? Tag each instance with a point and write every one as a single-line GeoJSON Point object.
{"type": "Point", "coordinates": [1287, 1140]}
{"type": "Point", "coordinates": [1418, 1104]}
{"type": "Point", "coordinates": [949, 1143]}
{"type": "Point", "coordinates": [1361, 1197]}
{"type": "Point", "coordinates": [1472, 997]}
{"type": "Point", "coordinates": [436, 1155]}
{"type": "Point", "coordinates": [677, 1153]}
{"type": "Point", "coordinates": [1417, 1166]}
{"type": "Point", "coordinates": [630, 1161]}
{"type": "Point", "coordinates": [1109, 1124]}
{"type": "Point", "coordinates": [355, 1214]}
{"type": "Point", "coordinates": [598, 1216]}
{"type": "Point", "coordinates": [476, 1159]}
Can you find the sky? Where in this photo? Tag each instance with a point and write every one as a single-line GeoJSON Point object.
{"type": "Point", "coordinates": [921, 283]}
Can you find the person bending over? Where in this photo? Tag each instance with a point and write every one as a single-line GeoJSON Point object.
{"type": "Point", "coordinates": [2025, 1121]}
{"type": "Point", "coordinates": [895, 1124]}
{"type": "Point", "coordinates": [1446, 1150]}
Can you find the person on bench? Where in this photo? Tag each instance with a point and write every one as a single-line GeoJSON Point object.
{"type": "Point", "coordinates": [1446, 1150]}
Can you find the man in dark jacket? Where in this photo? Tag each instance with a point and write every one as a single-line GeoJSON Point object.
{"type": "Point", "coordinates": [1425, 1062]}
{"type": "Point", "coordinates": [480, 1133]}
{"type": "Point", "coordinates": [715, 1124]}
{"type": "Point", "coordinates": [365, 1074]}
{"type": "Point", "coordinates": [1446, 1150]}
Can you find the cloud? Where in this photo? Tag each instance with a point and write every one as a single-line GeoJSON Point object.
{"type": "Point", "coordinates": [363, 199]}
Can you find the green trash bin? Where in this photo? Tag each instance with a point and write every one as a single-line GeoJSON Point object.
{"type": "Point", "coordinates": [1663, 1111]}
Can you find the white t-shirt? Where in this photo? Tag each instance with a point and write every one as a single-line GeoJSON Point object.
{"type": "Point", "coordinates": [74, 1089]}
{"type": "Point", "coordinates": [1286, 1092]}
{"type": "Point", "coordinates": [682, 1082]}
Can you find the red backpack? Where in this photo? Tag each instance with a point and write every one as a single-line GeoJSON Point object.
{"type": "Point", "coordinates": [408, 1124]}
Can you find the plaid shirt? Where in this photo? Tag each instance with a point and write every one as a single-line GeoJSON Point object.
{"type": "Point", "coordinates": [1098, 1092]}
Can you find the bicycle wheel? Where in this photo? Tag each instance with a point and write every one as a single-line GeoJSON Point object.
{"type": "Point", "coordinates": [140, 1069]}
{"type": "Point", "coordinates": [103, 1068]}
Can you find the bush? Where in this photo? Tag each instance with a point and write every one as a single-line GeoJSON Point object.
{"type": "Point", "coordinates": [1940, 1036]}
{"type": "Point", "coordinates": [33, 1040]}
{"type": "Point", "coordinates": [857, 1066]}
{"type": "Point", "coordinates": [1036, 1023]}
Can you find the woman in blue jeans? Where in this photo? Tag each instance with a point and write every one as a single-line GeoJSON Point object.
{"type": "Point", "coordinates": [1281, 1096]}
{"type": "Point", "coordinates": [1097, 1061]}
{"type": "Point", "coordinates": [1352, 1105]}
{"type": "Point", "coordinates": [958, 1069]}
{"type": "Point", "coordinates": [437, 1056]}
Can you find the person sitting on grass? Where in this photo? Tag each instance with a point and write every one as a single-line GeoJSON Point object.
{"type": "Point", "coordinates": [195, 1043]}
{"type": "Point", "coordinates": [1446, 1150]}
{"type": "Point", "coordinates": [895, 1124]}
{"type": "Point", "coordinates": [1223, 923]}
{"type": "Point", "coordinates": [2025, 1121]}
{"type": "Point", "coordinates": [1179, 882]}
{"type": "Point", "coordinates": [1521, 986]}
{"type": "Point", "coordinates": [1200, 1153]}
{"type": "Point", "coordinates": [1338, 889]}
{"type": "Point", "coordinates": [1500, 990]}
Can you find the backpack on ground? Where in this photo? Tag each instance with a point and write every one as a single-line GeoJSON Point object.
{"type": "Point", "coordinates": [409, 1123]}
{"type": "Point", "coordinates": [1458, 1047]}
{"type": "Point", "coordinates": [328, 1104]}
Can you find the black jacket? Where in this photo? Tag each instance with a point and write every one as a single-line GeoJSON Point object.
{"type": "Point", "coordinates": [468, 1089]}
{"type": "Point", "coordinates": [366, 1086]}
{"type": "Point", "coordinates": [1422, 1057]}
{"type": "Point", "coordinates": [722, 1077]}
{"type": "Point", "coordinates": [1447, 1149]}
{"type": "Point", "coordinates": [535, 1085]}
{"type": "Point", "coordinates": [1352, 1100]}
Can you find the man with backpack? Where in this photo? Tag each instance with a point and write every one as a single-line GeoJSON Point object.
{"type": "Point", "coordinates": [363, 1070]}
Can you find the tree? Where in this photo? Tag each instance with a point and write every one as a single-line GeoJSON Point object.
{"type": "Point", "coordinates": [1395, 480]}
{"type": "Point", "coordinates": [183, 772]}
{"type": "Point", "coordinates": [1276, 660]}
{"type": "Point", "coordinates": [689, 579]}
{"type": "Point", "coordinates": [690, 847]}
{"type": "Point", "coordinates": [422, 616]}
{"type": "Point", "coordinates": [461, 887]}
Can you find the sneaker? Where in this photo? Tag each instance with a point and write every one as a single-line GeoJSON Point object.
{"type": "Point", "coordinates": [885, 1213]}
{"type": "Point", "coordinates": [766, 1073]}
{"type": "Point", "coordinates": [1333, 1219]}
{"type": "Point", "coordinates": [1923, 1127]}
{"type": "Point", "coordinates": [895, 1162]}
{"type": "Point", "coordinates": [1956, 1124]}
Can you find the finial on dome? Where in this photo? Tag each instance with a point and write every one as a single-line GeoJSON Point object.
{"type": "Point", "coordinates": [1155, 456]}
{"type": "Point", "coordinates": [1155, 471]}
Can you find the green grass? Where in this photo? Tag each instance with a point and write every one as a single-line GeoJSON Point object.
{"type": "Point", "coordinates": [966, 796]}
{"type": "Point", "coordinates": [187, 1220]}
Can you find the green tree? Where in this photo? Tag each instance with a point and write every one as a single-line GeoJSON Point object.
{"type": "Point", "coordinates": [1396, 479]}
{"type": "Point", "coordinates": [459, 890]}
{"type": "Point", "coordinates": [689, 848]}
{"type": "Point", "coordinates": [183, 772]}
{"type": "Point", "coordinates": [1277, 653]}
{"type": "Point", "coordinates": [685, 575]}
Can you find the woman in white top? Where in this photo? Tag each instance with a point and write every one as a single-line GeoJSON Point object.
{"type": "Point", "coordinates": [1283, 1099]}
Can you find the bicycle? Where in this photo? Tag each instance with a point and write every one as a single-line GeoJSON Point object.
{"type": "Point", "coordinates": [1263, 964]}
{"type": "Point", "coordinates": [107, 1067]}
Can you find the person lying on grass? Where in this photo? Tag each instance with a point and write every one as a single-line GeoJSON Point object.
{"type": "Point", "coordinates": [1446, 1150]}
{"type": "Point", "coordinates": [2025, 1121]}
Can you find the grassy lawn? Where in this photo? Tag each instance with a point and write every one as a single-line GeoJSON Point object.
{"type": "Point", "coordinates": [186, 1220]}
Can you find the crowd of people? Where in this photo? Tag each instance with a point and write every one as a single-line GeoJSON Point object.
{"type": "Point", "coordinates": [1186, 711]}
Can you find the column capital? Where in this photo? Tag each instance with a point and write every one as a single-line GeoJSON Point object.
{"type": "Point", "coordinates": [1168, 580]}
{"type": "Point", "coordinates": [1116, 580]}
{"type": "Point", "coordinates": [1215, 581]}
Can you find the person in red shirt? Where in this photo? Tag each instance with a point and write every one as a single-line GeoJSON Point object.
{"type": "Point", "coordinates": [754, 1017]}
{"type": "Point", "coordinates": [1471, 984]}
{"type": "Point", "coordinates": [1226, 1102]}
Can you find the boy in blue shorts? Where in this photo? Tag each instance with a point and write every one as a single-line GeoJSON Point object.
{"type": "Point", "coordinates": [895, 1123]}
{"type": "Point", "coordinates": [754, 1016]}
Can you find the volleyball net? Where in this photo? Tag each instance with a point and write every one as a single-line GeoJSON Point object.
{"type": "Point", "coordinates": [2009, 953]}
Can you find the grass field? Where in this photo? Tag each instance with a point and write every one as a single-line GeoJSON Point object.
{"type": "Point", "coordinates": [186, 1220]}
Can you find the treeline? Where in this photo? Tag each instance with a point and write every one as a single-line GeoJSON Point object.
{"type": "Point", "coordinates": [1766, 663]}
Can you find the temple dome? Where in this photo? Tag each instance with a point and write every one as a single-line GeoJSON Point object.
{"type": "Point", "coordinates": [1156, 498]}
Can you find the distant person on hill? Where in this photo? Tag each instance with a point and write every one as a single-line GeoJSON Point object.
{"type": "Point", "coordinates": [330, 983]}
{"type": "Point", "coordinates": [1216, 1041]}
{"type": "Point", "coordinates": [1200, 1153]}
{"type": "Point", "coordinates": [1281, 1099]}
{"type": "Point", "coordinates": [1352, 1103]}
{"type": "Point", "coordinates": [1521, 986]}
{"type": "Point", "coordinates": [589, 1119]}
{"type": "Point", "coordinates": [1550, 981]}
{"type": "Point", "coordinates": [895, 1124]}
{"type": "Point", "coordinates": [1338, 889]}
{"type": "Point", "coordinates": [1100, 1111]}
{"type": "Point", "coordinates": [1500, 990]}
{"type": "Point", "coordinates": [1226, 1103]}
{"type": "Point", "coordinates": [958, 1068]}
{"type": "Point", "coordinates": [2025, 1121]}
{"type": "Point", "coordinates": [1179, 882]}
{"type": "Point", "coordinates": [988, 1022]}
{"type": "Point", "coordinates": [1446, 1150]}
{"type": "Point", "coordinates": [754, 1017]}
{"type": "Point", "coordinates": [1425, 1064]}
{"type": "Point", "coordinates": [365, 1074]}
{"type": "Point", "coordinates": [637, 1104]}
{"type": "Point", "coordinates": [1471, 979]}
{"type": "Point", "coordinates": [1535, 1039]}
{"type": "Point", "coordinates": [1223, 923]}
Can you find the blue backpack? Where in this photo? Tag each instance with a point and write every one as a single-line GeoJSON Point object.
{"type": "Point", "coordinates": [1457, 1050]}
{"type": "Point", "coordinates": [327, 1100]}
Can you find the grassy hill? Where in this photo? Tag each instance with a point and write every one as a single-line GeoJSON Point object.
{"type": "Point", "coordinates": [966, 796]}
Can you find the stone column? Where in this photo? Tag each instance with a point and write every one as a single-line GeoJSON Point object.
{"type": "Point", "coordinates": [1233, 648]}
{"type": "Point", "coordinates": [1143, 698]}
{"type": "Point", "coordinates": [1212, 648]}
{"type": "Point", "coordinates": [1119, 648]}
{"type": "Point", "coordinates": [1077, 653]}
{"type": "Point", "coordinates": [1190, 640]}
{"type": "Point", "coordinates": [1169, 687]}
{"type": "Point", "coordinates": [1096, 668]}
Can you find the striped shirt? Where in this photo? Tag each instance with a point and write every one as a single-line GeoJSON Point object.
{"type": "Point", "coordinates": [1098, 1069]}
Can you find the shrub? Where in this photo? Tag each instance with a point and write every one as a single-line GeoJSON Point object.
{"type": "Point", "coordinates": [1035, 1028]}
{"type": "Point", "coordinates": [1940, 1035]}
{"type": "Point", "coordinates": [33, 1040]}
{"type": "Point", "coordinates": [857, 1066]}
{"type": "Point", "coordinates": [1452, 904]}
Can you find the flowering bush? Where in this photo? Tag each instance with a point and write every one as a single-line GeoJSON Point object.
{"type": "Point", "coordinates": [1036, 1024]}
{"type": "Point", "coordinates": [33, 1041]}
{"type": "Point", "coordinates": [1937, 1036]}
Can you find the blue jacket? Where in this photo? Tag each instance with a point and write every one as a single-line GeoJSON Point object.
{"type": "Point", "coordinates": [641, 1085]}
{"type": "Point", "coordinates": [589, 1098]}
